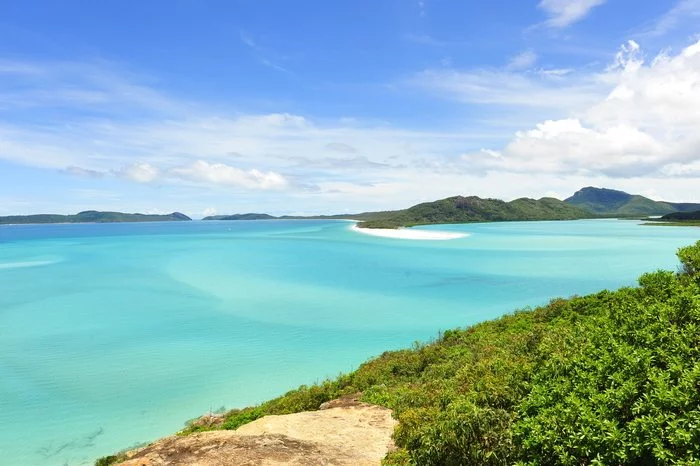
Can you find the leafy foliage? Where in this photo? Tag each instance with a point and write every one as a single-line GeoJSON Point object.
{"type": "Point", "coordinates": [111, 459]}
{"type": "Point", "coordinates": [610, 378]}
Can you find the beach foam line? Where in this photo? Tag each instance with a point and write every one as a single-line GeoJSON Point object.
{"type": "Point", "coordinates": [407, 233]}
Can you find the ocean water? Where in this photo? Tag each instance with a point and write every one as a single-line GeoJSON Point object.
{"type": "Point", "coordinates": [115, 334]}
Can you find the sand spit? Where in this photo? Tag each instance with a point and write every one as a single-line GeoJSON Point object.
{"type": "Point", "coordinates": [409, 233]}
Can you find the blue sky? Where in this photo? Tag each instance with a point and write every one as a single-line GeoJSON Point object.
{"type": "Point", "coordinates": [325, 107]}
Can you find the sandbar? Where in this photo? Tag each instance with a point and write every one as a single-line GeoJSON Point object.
{"type": "Point", "coordinates": [409, 233]}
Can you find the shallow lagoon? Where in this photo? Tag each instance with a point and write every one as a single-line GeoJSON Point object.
{"type": "Point", "coordinates": [115, 334]}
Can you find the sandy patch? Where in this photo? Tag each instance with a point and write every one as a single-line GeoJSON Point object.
{"type": "Point", "coordinates": [409, 233]}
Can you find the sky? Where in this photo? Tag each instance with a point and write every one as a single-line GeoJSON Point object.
{"type": "Point", "coordinates": [318, 107]}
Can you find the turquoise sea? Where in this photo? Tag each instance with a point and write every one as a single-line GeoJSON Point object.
{"type": "Point", "coordinates": [115, 334]}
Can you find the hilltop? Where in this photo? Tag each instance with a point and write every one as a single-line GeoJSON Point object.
{"type": "Point", "coordinates": [93, 216]}
{"type": "Point", "coordinates": [610, 202]}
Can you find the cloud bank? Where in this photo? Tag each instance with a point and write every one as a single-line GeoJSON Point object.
{"type": "Point", "coordinates": [628, 124]}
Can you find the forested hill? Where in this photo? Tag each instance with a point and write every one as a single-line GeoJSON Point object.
{"type": "Point", "coordinates": [610, 202]}
{"type": "Point", "coordinates": [93, 216]}
{"type": "Point", "coordinates": [461, 209]}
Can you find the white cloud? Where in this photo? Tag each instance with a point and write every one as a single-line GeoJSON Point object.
{"type": "Point", "coordinates": [555, 73]}
{"type": "Point", "coordinates": [140, 172]}
{"type": "Point", "coordinates": [209, 211]}
{"type": "Point", "coordinates": [646, 125]}
{"type": "Point", "coordinates": [690, 169]}
{"type": "Point", "coordinates": [510, 88]}
{"type": "Point", "coordinates": [563, 13]}
{"type": "Point", "coordinates": [226, 175]}
{"type": "Point", "coordinates": [523, 60]}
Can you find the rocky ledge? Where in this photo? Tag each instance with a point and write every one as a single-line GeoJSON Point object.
{"type": "Point", "coordinates": [343, 432]}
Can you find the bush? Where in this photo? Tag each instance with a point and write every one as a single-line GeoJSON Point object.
{"type": "Point", "coordinates": [690, 260]}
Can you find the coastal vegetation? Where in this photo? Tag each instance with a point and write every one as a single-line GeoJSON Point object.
{"type": "Point", "coordinates": [93, 216]}
{"type": "Point", "coordinates": [461, 209]}
{"type": "Point", "coordinates": [608, 378]}
{"type": "Point", "coordinates": [682, 219]}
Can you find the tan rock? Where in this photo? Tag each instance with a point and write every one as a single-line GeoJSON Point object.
{"type": "Point", "coordinates": [345, 433]}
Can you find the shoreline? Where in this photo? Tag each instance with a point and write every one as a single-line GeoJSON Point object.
{"type": "Point", "coordinates": [410, 234]}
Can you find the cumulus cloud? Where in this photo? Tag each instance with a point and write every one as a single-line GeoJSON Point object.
{"type": "Point", "coordinates": [645, 125]}
{"type": "Point", "coordinates": [140, 172]}
{"type": "Point", "coordinates": [563, 13]}
{"type": "Point", "coordinates": [226, 175]}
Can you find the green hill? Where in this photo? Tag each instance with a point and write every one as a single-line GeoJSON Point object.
{"type": "Point", "coordinates": [609, 378]}
{"type": "Point", "coordinates": [610, 202]}
{"type": "Point", "coordinates": [461, 209]}
{"type": "Point", "coordinates": [93, 216]}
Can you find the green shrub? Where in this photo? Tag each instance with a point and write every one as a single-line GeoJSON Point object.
{"type": "Point", "coordinates": [690, 259]}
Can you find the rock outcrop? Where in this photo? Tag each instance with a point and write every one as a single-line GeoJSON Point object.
{"type": "Point", "coordinates": [343, 432]}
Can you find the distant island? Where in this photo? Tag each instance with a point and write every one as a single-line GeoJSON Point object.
{"type": "Point", "coordinates": [93, 216]}
{"type": "Point", "coordinates": [588, 202]}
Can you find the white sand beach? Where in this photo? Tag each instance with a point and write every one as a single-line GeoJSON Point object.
{"type": "Point", "coordinates": [408, 233]}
